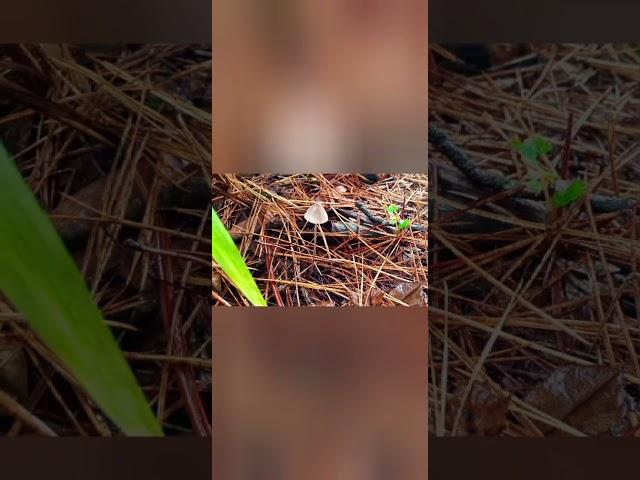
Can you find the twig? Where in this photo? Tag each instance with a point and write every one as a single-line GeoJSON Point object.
{"type": "Point", "coordinates": [496, 181]}
{"type": "Point", "coordinates": [131, 243]}
{"type": "Point", "coordinates": [178, 347]}
{"type": "Point", "coordinates": [14, 408]}
{"type": "Point", "coordinates": [380, 221]}
{"type": "Point", "coordinates": [565, 157]}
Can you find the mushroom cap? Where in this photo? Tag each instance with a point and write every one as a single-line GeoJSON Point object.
{"type": "Point", "coordinates": [316, 214]}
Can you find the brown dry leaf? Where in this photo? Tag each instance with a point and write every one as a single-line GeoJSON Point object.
{"type": "Point", "coordinates": [13, 371]}
{"type": "Point", "coordinates": [410, 293]}
{"type": "Point", "coordinates": [590, 398]}
{"type": "Point", "coordinates": [354, 299]}
{"type": "Point", "coordinates": [128, 268]}
{"type": "Point", "coordinates": [240, 229]}
{"type": "Point", "coordinates": [198, 281]}
{"type": "Point", "coordinates": [216, 281]}
{"type": "Point", "coordinates": [77, 209]}
{"type": "Point", "coordinates": [52, 50]}
{"type": "Point", "coordinates": [326, 303]}
{"type": "Point", "coordinates": [484, 412]}
{"type": "Point", "coordinates": [69, 217]}
{"type": "Point", "coordinates": [377, 297]}
{"type": "Point", "coordinates": [90, 270]}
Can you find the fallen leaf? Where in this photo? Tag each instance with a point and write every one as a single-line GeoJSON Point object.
{"type": "Point", "coordinates": [191, 193]}
{"type": "Point", "coordinates": [198, 281]}
{"type": "Point", "coordinates": [484, 412]}
{"type": "Point", "coordinates": [216, 281]}
{"type": "Point", "coordinates": [70, 216]}
{"type": "Point", "coordinates": [13, 371]}
{"type": "Point", "coordinates": [326, 303]}
{"type": "Point", "coordinates": [590, 398]}
{"type": "Point", "coordinates": [410, 293]}
{"type": "Point", "coordinates": [76, 209]}
{"type": "Point", "coordinates": [354, 299]}
{"type": "Point", "coordinates": [241, 229]}
{"type": "Point", "coordinates": [377, 297]}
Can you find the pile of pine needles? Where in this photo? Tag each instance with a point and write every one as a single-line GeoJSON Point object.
{"type": "Point", "coordinates": [358, 257]}
{"type": "Point", "coordinates": [115, 142]}
{"type": "Point", "coordinates": [520, 288]}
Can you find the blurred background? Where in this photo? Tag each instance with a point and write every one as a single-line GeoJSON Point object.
{"type": "Point", "coordinates": [308, 86]}
{"type": "Point", "coordinates": [316, 398]}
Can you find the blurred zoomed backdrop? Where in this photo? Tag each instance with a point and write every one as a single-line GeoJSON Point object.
{"type": "Point", "coordinates": [332, 86]}
{"type": "Point", "coordinates": [317, 396]}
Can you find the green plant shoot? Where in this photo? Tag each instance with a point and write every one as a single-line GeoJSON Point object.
{"type": "Point", "coordinates": [38, 275]}
{"type": "Point", "coordinates": [532, 148]}
{"type": "Point", "coordinates": [400, 223]}
{"type": "Point", "coordinates": [226, 255]}
{"type": "Point", "coordinates": [393, 209]}
{"type": "Point", "coordinates": [404, 224]}
{"type": "Point", "coordinates": [539, 179]}
{"type": "Point", "coordinates": [575, 191]}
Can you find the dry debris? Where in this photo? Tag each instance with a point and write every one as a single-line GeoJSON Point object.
{"type": "Point", "coordinates": [327, 239]}
{"type": "Point", "coordinates": [115, 142]}
{"type": "Point", "coordinates": [567, 352]}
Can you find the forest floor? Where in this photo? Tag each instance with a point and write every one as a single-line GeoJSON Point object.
{"type": "Point", "coordinates": [534, 246]}
{"type": "Point", "coordinates": [115, 142]}
{"type": "Point", "coordinates": [371, 250]}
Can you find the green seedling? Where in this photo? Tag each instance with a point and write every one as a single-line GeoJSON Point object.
{"type": "Point", "coordinates": [39, 277]}
{"type": "Point", "coordinates": [543, 178]}
{"type": "Point", "coordinates": [228, 257]}
{"type": "Point", "coordinates": [394, 214]}
{"type": "Point", "coordinates": [539, 178]}
{"type": "Point", "coordinates": [574, 192]}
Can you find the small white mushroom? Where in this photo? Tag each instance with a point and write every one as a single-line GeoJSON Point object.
{"type": "Point", "coordinates": [316, 214]}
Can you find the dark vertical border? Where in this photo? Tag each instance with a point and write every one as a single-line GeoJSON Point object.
{"type": "Point", "coordinates": [106, 458]}
{"type": "Point", "coordinates": [115, 21]}
{"type": "Point", "coordinates": [535, 459]}
{"type": "Point", "coordinates": [298, 390]}
{"type": "Point", "coordinates": [542, 21]}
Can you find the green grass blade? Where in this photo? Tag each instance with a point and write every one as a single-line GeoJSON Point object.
{"type": "Point", "coordinates": [40, 278]}
{"type": "Point", "coordinates": [226, 255]}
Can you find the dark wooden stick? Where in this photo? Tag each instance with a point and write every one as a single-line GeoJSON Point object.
{"type": "Point", "coordinates": [496, 181]}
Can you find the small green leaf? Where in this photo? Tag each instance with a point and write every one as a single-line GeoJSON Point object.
{"type": "Point", "coordinates": [404, 224]}
{"type": "Point", "coordinates": [535, 185]}
{"type": "Point", "coordinates": [391, 209]}
{"type": "Point", "coordinates": [528, 151]}
{"type": "Point", "coordinates": [530, 155]}
{"type": "Point", "coordinates": [541, 145]}
{"type": "Point", "coordinates": [226, 255]}
{"type": "Point", "coordinates": [550, 177]}
{"type": "Point", "coordinates": [575, 191]}
{"type": "Point", "coordinates": [516, 144]}
{"type": "Point", "coordinates": [531, 149]}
